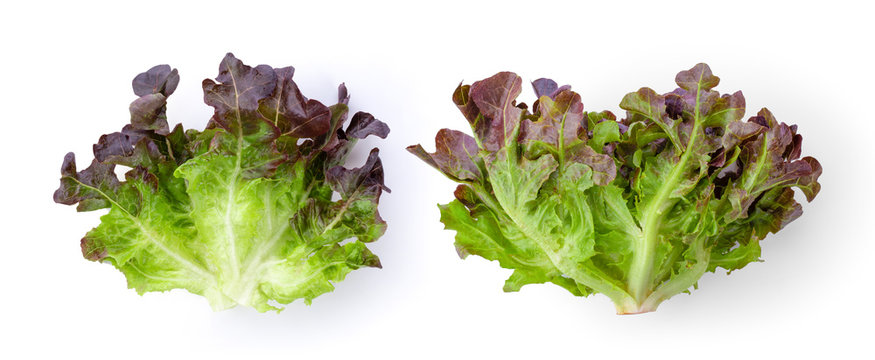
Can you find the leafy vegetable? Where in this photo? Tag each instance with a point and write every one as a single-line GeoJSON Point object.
{"type": "Point", "coordinates": [636, 209]}
{"type": "Point", "coordinates": [241, 212]}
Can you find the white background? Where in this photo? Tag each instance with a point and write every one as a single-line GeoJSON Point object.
{"type": "Point", "coordinates": [66, 71]}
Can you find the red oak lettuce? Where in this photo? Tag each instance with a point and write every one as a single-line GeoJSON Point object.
{"type": "Point", "coordinates": [636, 209]}
{"type": "Point", "coordinates": [240, 212]}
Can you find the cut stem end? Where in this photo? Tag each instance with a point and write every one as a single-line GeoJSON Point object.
{"type": "Point", "coordinates": [632, 308]}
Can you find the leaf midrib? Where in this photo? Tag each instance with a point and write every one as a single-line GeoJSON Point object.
{"type": "Point", "coordinates": [232, 183]}
{"type": "Point", "coordinates": [641, 271]}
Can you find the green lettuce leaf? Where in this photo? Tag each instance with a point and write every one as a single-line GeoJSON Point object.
{"type": "Point", "coordinates": [636, 209]}
{"type": "Point", "coordinates": [241, 212]}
